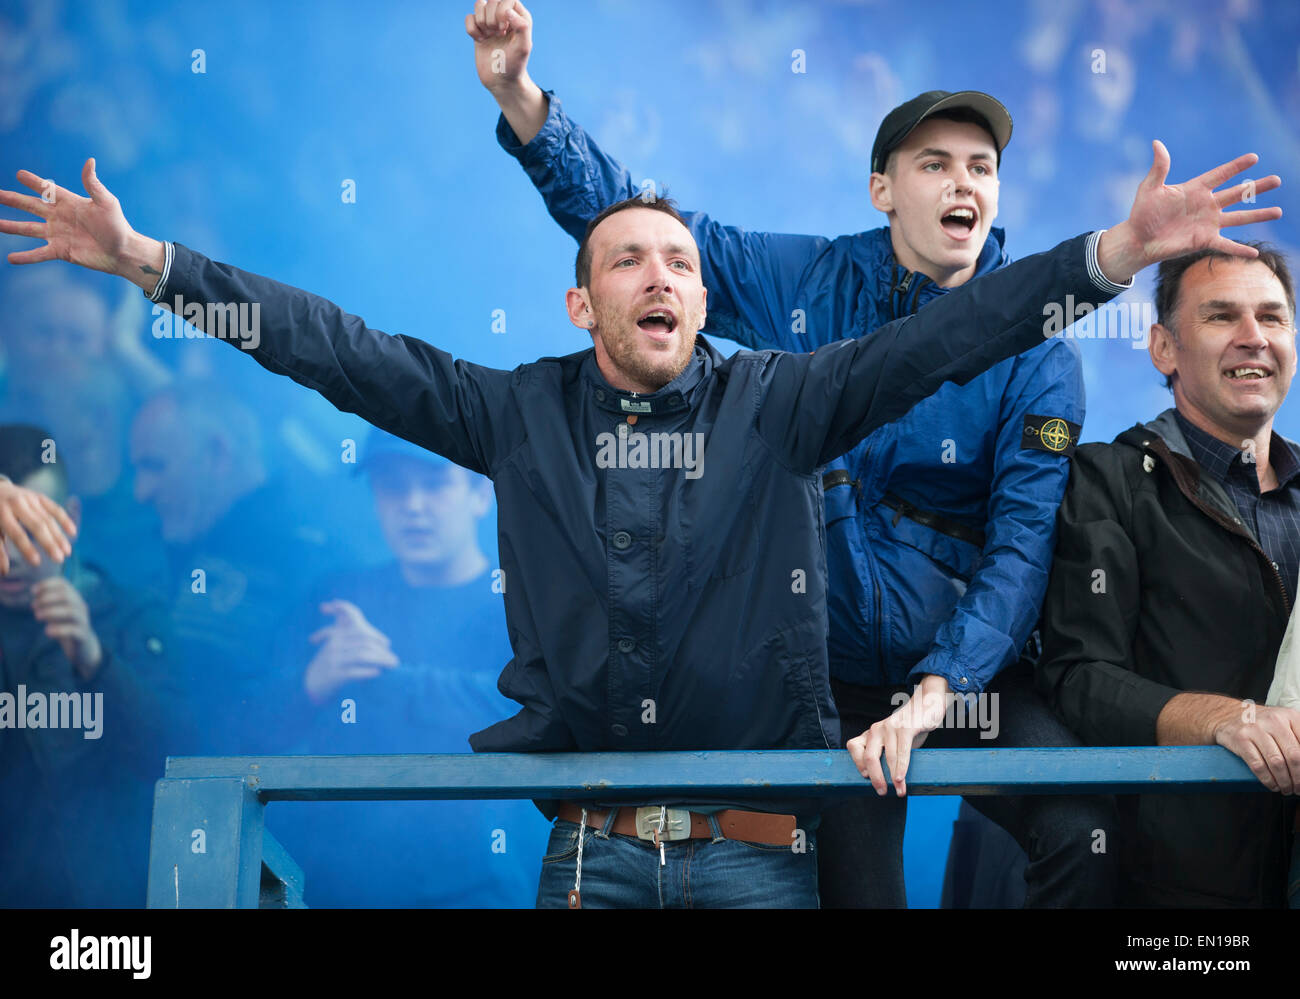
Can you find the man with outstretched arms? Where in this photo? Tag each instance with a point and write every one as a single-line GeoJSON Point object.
{"type": "Point", "coordinates": [660, 510]}
{"type": "Point", "coordinates": [939, 526]}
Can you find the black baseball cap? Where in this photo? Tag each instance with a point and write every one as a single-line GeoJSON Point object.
{"type": "Point", "coordinates": [899, 123]}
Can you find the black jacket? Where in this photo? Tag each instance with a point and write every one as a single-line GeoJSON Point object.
{"type": "Point", "coordinates": [1159, 587]}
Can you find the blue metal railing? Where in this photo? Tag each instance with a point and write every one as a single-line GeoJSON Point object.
{"type": "Point", "coordinates": [210, 848]}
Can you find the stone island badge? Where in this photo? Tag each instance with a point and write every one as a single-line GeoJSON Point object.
{"type": "Point", "coordinates": [1050, 433]}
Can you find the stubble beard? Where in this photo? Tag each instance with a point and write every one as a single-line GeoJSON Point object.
{"type": "Point", "coordinates": [655, 370]}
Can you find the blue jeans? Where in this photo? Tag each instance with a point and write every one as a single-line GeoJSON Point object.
{"type": "Point", "coordinates": [623, 872]}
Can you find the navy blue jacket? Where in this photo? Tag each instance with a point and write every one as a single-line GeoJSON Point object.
{"type": "Point", "coordinates": [703, 593]}
{"type": "Point", "coordinates": [905, 599]}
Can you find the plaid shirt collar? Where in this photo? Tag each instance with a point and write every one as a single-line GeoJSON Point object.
{"type": "Point", "coordinates": [1218, 458]}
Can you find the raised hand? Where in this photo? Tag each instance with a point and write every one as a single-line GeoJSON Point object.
{"type": "Point", "coordinates": [56, 602]}
{"type": "Point", "coordinates": [353, 649]}
{"type": "Point", "coordinates": [90, 232]}
{"type": "Point", "coordinates": [503, 38]}
{"type": "Point", "coordinates": [1170, 221]}
{"type": "Point", "coordinates": [25, 510]}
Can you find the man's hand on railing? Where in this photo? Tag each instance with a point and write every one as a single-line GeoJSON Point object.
{"type": "Point", "coordinates": [896, 736]}
{"type": "Point", "coordinates": [1268, 740]}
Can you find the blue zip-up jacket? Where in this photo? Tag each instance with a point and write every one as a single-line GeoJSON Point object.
{"type": "Point", "coordinates": [905, 599]}
{"type": "Point", "coordinates": [698, 588]}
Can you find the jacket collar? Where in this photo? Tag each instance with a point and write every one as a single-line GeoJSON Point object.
{"type": "Point", "coordinates": [1162, 440]}
{"type": "Point", "coordinates": [1166, 427]}
{"type": "Point", "coordinates": [672, 398]}
{"type": "Point", "coordinates": [1173, 443]}
{"type": "Point", "coordinates": [920, 289]}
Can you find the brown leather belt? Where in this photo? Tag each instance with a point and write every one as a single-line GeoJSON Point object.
{"type": "Point", "coordinates": [749, 827]}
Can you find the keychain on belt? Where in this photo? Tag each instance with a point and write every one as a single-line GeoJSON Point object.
{"type": "Point", "coordinates": [575, 896]}
{"type": "Point", "coordinates": [659, 842]}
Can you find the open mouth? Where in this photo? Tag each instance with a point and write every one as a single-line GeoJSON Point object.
{"type": "Point", "coordinates": [659, 323]}
{"type": "Point", "coordinates": [959, 223]}
{"type": "Point", "coordinates": [1248, 373]}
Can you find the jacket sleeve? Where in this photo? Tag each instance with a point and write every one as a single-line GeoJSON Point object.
{"type": "Point", "coordinates": [819, 405]}
{"type": "Point", "coordinates": [1090, 616]}
{"type": "Point", "coordinates": [993, 618]}
{"type": "Point", "coordinates": [398, 383]}
{"type": "Point", "coordinates": [752, 277]}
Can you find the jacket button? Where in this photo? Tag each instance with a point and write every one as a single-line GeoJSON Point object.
{"type": "Point", "coordinates": [600, 395]}
{"type": "Point", "coordinates": [626, 645]}
{"type": "Point", "coordinates": [619, 730]}
{"type": "Point", "coordinates": [962, 680]}
{"type": "Point", "coordinates": [622, 539]}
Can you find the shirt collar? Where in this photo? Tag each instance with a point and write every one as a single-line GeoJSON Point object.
{"type": "Point", "coordinates": [1218, 457]}
{"type": "Point", "coordinates": [1282, 456]}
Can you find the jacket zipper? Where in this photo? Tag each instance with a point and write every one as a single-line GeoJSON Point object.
{"type": "Point", "coordinates": [870, 549]}
{"type": "Point", "coordinates": [916, 294]}
{"type": "Point", "coordinates": [900, 290]}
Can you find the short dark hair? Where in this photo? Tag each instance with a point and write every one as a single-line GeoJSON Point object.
{"type": "Point", "coordinates": [952, 114]}
{"type": "Point", "coordinates": [582, 267]}
{"type": "Point", "coordinates": [22, 448]}
{"type": "Point", "coordinates": [1169, 281]}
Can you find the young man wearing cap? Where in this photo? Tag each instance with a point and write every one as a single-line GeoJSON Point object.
{"type": "Point", "coordinates": [939, 527]}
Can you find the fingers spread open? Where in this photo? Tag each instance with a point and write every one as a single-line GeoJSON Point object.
{"type": "Point", "coordinates": [36, 256]}
{"type": "Point", "coordinates": [90, 180]}
{"type": "Point", "coordinates": [1225, 171]}
{"type": "Point", "coordinates": [1225, 245]}
{"type": "Point", "coordinates": [1250, 216]}
{"type": "Point", "coordinates": [25, 203]}
{"type": "Point", "coordinates": [1159, 164]}
{"type": "Point", "coordinates": [1247, 190]}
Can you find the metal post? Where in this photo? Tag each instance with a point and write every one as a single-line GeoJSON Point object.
{"type": "Point", "coordinates": [206, 845]}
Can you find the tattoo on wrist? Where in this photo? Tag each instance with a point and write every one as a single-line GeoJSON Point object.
{"type": "Point", "coordinates": [149, 270]}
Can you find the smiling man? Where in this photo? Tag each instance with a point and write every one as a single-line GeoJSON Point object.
{"type": "Point", "coordinates": [1175, 573]}
{"type": "Point", "coordinates": [939, 526]}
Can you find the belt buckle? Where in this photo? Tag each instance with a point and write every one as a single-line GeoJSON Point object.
{"type": "Point", "coordinates": [677, 823]}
